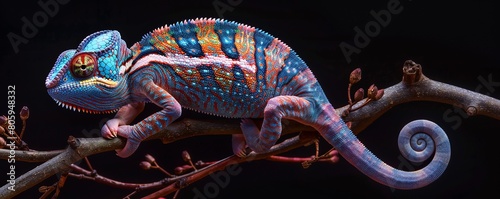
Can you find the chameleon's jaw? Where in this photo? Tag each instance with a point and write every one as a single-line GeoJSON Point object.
{"type": "Point", "coordinates": [79, 109]}
{"type": "Point", "coordinates": [87, 96]}
{"type": "Point", "coordinates": [94, 81]}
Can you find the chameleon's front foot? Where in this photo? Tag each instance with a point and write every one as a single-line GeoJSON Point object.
{"type": "Point", "coordinates": [112, 129]}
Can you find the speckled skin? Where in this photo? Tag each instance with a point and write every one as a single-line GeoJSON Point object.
{"type": "Point", "coordinates": [226, 69]}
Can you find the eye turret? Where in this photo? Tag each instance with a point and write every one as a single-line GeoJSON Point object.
{"type": "Point", "coordinates": [83, 65]}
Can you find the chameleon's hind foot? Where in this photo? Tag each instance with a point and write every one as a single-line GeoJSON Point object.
{"type": "Point", "coordinates": [252, 137]}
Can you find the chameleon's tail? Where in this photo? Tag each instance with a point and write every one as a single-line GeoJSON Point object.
{"type": "Point", "coordinates": [417, 142]}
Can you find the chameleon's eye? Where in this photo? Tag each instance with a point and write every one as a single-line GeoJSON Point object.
{"type": "Point", "coordinates": [83, 65]}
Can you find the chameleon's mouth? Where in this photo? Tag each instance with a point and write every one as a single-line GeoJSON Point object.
{"type": "Point", "coordinates": [94, 81]}
{"type": "Point", "coordinates": [79, 109]}
{"type": "Point", "coordinates": [94, 95]}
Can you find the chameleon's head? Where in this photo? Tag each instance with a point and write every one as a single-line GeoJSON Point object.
{"type": "Point", "coordinates": [87, 79]}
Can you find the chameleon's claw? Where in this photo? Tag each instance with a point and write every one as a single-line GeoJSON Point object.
{"type": "Point", "coordinates": [106, 132]}
{"type": "Point", "coordinates": [239, 145]}
{"type": "Point", "coordinates": [110, 129]}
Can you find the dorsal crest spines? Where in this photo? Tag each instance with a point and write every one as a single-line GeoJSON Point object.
{"type": "Point", "coordinates": [167, 29]}
{"type": "Point", "coordinates": [216, 37]}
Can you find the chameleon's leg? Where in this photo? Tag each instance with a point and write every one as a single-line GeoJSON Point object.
{"type": "Point", "coordinates": [289, 107]}
{"type": "Point", "coordinates": [124, 116]}
{"type": "Point", "coordinates": [152, 124]}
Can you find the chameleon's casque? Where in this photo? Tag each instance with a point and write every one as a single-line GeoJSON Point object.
{"type": "Point", "coordinates": [227, 69]}
{"type": "Point", "coordinates": [87, 78]}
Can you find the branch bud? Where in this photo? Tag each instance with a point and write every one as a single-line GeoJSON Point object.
{"type": "Point", "coordinates": [334, 159]}
{"type": "Point", "coordinates": [178, 170]}
{"type": "Point", "coordinates": [185, 156]}
{"type": "Point", "coordinates": [372, 92]}
{"type": "Point", "coordinates": [3, 143]}
{"type": "Point", "coordinates": [379, 95]}
{"type": "Point", "coordinates": [355, 76]}
{"type": "Point", "coordinates": [44, 189]}
{"type": "Point", "coordinates": [149, 158]}
{"type": "Point", "coordinates": [24, 114]}
{"type": "Point", "coordinates": [145, 165]}
{"type": "Point", "coordinates": [334, 156]}
{"type": "Point", "coordinates": [3, 120]}
{"type": "Point", "coordinates": [348, 124]}
{"type": "Point", "coordinates": [359, 94]}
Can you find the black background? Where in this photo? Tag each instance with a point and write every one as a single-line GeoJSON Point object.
{"type": "Point", "coordinates": [456, 43]}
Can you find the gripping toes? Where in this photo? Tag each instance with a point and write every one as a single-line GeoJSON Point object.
{"type": "Point", "coordinates": [113, 129]}
{"type": "Point", "coordinates": [110, 129]}
{"type": "Point", "coordinates": [251, 134]}
{"type": "Point", "coordinates": [290, 107]}
{"type": "Point", "coordinates": [239, 145]}
{"type": "Point", "coordinates": [261, 141]}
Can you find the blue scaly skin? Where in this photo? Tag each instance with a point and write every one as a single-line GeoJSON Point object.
{"type": "Point", "coordinates": [227, 69]}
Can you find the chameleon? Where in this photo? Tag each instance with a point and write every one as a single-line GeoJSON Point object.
{"type": "Point", "coordinates": [227, 69]}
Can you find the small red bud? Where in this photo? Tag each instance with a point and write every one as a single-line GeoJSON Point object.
{"type": "Point", "coordinates": [178, 170]}
{"type": "Point", "coordinates": [149, 158]}
{"type": "Point", "coordinates": [2, 130]}
{"type": "Point", "coordinates": [334, 159]}
{"type": "Point", "coordinates": [185, 156]}
{"type": "Point", "coordinates": [334, 156]}
{"type": "Point", "coordinates": [145, 165]}
{"type": "Point", "coordinates": [379, 95]}
{"type": "Point", "coordinates": [355, 76]}
{"type": "Point", "coordinates": [3, 143]}
{"type": "Point", "coordinates": [372, 92]}
{"type": "Point", "coordinates": [359, 94]}
{"type": "Point", "coordinates": [24, 113]}
{"type": "Point", "coordinates": [44, 189]}
{"type": "Point", "coordinates": [333, 153]}
{"type": "Point", "coordinates": [3, 120]}
{"type": "Point", "coordinates": [348, 124]}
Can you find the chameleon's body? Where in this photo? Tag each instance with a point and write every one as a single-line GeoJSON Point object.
{"type": "Point", "coordinates": [221, 68]}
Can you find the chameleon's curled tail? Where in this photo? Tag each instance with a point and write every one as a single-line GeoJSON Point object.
{"type": "Point", "coordinates": [417, 141]}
